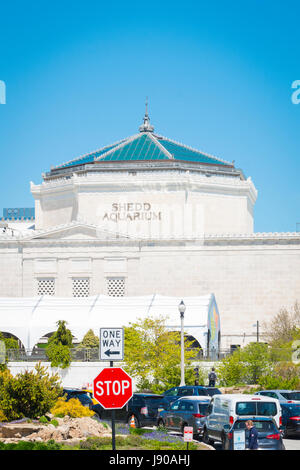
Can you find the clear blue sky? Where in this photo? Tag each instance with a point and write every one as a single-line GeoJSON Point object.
{"type": "Point", "coordinates": [218, 76]}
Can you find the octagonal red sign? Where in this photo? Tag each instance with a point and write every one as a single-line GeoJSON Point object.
{"type": "Point", "coordinates": [112, 388]}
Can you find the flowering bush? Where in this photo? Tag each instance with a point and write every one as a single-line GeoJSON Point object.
{"type": "Point", "coordinates": [72, 408]}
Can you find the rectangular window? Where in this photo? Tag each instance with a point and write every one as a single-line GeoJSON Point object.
{"type": "Point", "coordinates": [256, 409]}
{"type": "Point", "coordinates": [81, 287]}
{"type": "Point", "coordinates": [46, 286]}
{"type": "Point", "coordinates": [116, 286]}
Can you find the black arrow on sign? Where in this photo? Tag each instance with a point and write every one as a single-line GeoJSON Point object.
{"type": "Point", "coordinates": [109, 352]}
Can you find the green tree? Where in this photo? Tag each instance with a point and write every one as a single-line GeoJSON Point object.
{"type": "Point", "coordinates": [59, 346]}
{"type": "Point", "coordinates": [246, 365]}
{"type": "Point", "coordinates": [283, 327]}
{"type": "Point", "coordinates": [89, 341]}
{"type": "Point", "coordinates": [152, 354]}
{"type": "Point", "coordinates": [9, 343]}
{"type": "Point", "coordinates": [284, 375]}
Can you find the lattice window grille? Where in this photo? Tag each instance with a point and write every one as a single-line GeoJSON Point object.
{"type": "Point", "coordinates": [116, 287]}
{"type": "Point", "coordinates": [81, 287]}
{"type": "Point", "coordinates": [46, 287]}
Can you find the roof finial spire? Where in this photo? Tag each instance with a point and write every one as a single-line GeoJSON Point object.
{"type": "Point", "coordinates": [146, 127]}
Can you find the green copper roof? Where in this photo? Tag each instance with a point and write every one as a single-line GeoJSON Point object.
{"type": "Point", "coordinates": [145, 146]}
{"type": "Point", "coordinates": [140, 147]}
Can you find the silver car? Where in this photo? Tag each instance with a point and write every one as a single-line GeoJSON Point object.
{"type": "Point", "coordinates": [186, 411]}
{"type": "Point", "coordinates": [284, 396]}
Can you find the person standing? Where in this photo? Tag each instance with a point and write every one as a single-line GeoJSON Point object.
{"type": "Point", "coordinates": [212, 377]}
{"type": "Point", "coordinates": [253, 435]}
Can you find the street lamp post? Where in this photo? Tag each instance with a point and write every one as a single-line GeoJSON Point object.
{"type": "Point", "coordinates": [181, 308]}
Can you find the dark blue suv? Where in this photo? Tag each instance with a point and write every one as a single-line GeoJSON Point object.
{"type": "Point", "coordinates": [188, 390]}
{"type": "Point", "coordinates": [144, 407]}
{"type": "Point", "coordinates": [290, 419]}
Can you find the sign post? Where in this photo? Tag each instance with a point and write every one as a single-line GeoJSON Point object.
{"type": "Point", "coordinates": [112, 388]}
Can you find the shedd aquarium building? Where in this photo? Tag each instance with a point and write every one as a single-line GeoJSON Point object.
{"type": "Point", "coordinates": [145, 217]}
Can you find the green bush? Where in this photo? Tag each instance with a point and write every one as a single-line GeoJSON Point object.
{"type": "Point", "coordinates": [284, 375]}
{"type": "Point", "coordinates": [59, 346]}
{"type": "Point", "coordinates": [25, 445]}
{"type": "Point", "coordinates": [59, 355]}
{"type": "Point", "coordinates": [246, 365]}
{"type": "Point", "coordinates": [90, 341]}
{"type": "Point", "coordinates": [29, 394]}
{"type": "Point", "coordinates": [43, 420]}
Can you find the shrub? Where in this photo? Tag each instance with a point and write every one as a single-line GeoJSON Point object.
{"type": "Point", "coordinates": [43, 420]}
{"type": "Point", "coordinates": [59, 355]}
{"type": "Point", "coordinates": [284, 375]}
{"type": "Point", "coordinates": [26, 445]}
{"type": "Point", "coordinates": [90, 340]}
{"type": "Point", "coordinates": [2, 416]}
{"type": "Point", "coordinates": [29, 394]}
{"type": "Point", "coordinates": [58, 348]}
{"type": "Point", "coordinates": [72, 408]}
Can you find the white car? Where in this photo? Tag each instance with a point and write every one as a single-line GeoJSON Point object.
{"type": "Point", "coordinates": [223, 410]}
{"type": "Point", "coordinates": [284, 396]}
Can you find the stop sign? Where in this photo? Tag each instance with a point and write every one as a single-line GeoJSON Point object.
{"type": "Point", "coordinates": [113, 388]}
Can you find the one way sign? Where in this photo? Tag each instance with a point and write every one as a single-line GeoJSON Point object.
{"type": "Point", "coordinates": [111, 344]}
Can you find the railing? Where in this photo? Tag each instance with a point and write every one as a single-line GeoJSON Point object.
{"type": "Point", "coordinates": [39, 354]}
{"type": "Point", "coordinates": [90, 355]}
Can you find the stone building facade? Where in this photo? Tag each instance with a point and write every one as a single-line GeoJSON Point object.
{"type": "Point", "coordinates": [149, 215]}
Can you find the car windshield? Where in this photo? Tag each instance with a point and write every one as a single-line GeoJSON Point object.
{"type": "Point", "coordinates": [213, 391]}
{"type": "Point", "coordinates": [203, 408]}
{"type": "Point", "coordinates": [291, 395]}
{"type": "Point", "coordinates": [261, 426]}
{"type": "Point", "coordinates": [153, 401]}
{"type": "Point", "coordinates": [251, 408]}
{"type": "Point", "coordinates": [171, 393]}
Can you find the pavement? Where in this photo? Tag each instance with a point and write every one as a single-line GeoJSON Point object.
{"type": "Point", "coordinates": [292, 443]}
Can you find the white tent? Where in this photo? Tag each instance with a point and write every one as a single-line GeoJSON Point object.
{"type": "Point", "coordinates": [29, 319]}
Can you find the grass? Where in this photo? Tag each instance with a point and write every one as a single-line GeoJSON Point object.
{"type": "Point", "coordinates": [126, 439]}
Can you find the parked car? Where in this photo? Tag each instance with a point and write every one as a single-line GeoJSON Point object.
{"type": "Point", "coordinates": [284, 396]}
{"type": "Point", "coordinates": [189, 390]}
{"type": "Point", "coordinates": [186, 411]}
{"type": "Point", "coordinates": [269, 436]}
{"type": "Point", "coordinates": [144, 407]}
{"type": "Point", "coordinates": [224, 410]}
{"type": "Point", "coordinates": [82, 396]}
{"type": "Point", "coordinates": [290, 419]}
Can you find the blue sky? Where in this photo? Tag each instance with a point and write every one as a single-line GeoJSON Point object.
{"type": "Point", "coordinates": [218, 76]}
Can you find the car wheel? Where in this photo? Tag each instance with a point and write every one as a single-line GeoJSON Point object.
{"type": "Point", "coordinates": [136, 421]}
{"type": "Point", "coordinates": [160, 424]}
